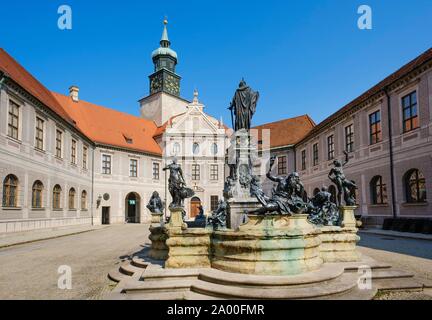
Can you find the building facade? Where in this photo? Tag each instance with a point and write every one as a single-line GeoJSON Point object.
{"type": "Point", "coordinates": [65, 161]}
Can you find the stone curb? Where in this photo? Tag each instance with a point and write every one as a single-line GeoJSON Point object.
{"type": "Point", "coordinates": [405, 235]}
{"type": "Point", "coordinates": [3, 246]}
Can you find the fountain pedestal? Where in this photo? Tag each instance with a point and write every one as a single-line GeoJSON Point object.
{"type": "Point", "coordinates": [268, 245]}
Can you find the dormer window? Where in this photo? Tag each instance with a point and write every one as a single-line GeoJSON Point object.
{"type": "Point", "coordinates": [128, 138]}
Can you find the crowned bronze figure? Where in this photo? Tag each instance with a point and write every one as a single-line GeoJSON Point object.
{"type": "Point", "coordinates": [243, 106]}
{"type": "Point", "coordinates": [155, 205]}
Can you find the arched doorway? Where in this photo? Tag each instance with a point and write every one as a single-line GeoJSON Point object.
{"type": "Point", "coordinates": [132, 214]}
{"type": "Point", "coordinates": [194, 207]}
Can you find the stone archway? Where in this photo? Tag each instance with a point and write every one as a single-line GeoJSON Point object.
{"type": "Point", "coordinates": [132, 208]}
{"type": "Point", "coordinates": [194, 207]}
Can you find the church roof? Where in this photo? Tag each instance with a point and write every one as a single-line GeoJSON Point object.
{"type": "Point", "coordinates": [287, 132]}
{"type": "Point", "coordinates": [110, 127]}
{"type": "Point", "coordinates": [12, 69]}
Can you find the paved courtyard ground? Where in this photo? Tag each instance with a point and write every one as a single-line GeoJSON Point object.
{"type": "Point", "coordinates": [29, 271]}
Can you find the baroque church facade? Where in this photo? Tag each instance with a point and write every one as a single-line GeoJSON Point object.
{"type": "Point", "coordinates": [65, 161]}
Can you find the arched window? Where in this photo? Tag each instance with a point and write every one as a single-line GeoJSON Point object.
{"type": "Point", "coordinates": [72, 198]}
{"type": "Point", "coordinates": [37, 190]}
{"type": "Point", "coordinates": [214, 149]}
{"type": "Point", "coordinates": [332, 190]}
{"type": "Point", "coordinates": [84, 200]}
{"type": "Point", "coordinates": [316, 191]}
{"type": "Point", "coordinates": [57, 195]}
{"type": "Point", "coordinates": [378, 190]}
{"type": "Point", "coordinates": [195, 148]}
{"type": "Point", "coordinates": [10, 191]}
{"type": "Point", "coordinates": [176, 148]}
{"type": "Point", "coordinates": [415, 186]}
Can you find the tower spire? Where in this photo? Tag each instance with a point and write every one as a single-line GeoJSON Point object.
{"type": "Point", "coordinates": [165, 43]}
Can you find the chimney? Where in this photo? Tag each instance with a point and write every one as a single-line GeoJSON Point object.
{"type": "Point", "coordinates": [73, 93]}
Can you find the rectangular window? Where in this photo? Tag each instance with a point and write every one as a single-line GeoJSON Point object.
{"type": "Point", "coordinates": [282, 165]}
{"type": "Point", "coordinates": [315, 154]}
{"type": "Point", "coordinates": [39, 136]}
{"type": "Point", "coordinates": [330, 148]}
{"type": "Point", "coordinates": [303, 159]}
{"type": "Point", "coordinates": [375, 127]}
{"type": "Point", "coordinates": [59, 143]}
{"type": "Point", "coordinates": [133, 168]}
{"type": "Point", "coordinates": [214, 202]}
{"type": "Point", "coordinates": [349, 138]}
{"type": "Point", "coordinates": [409, 112]}
{"type": "Point", "coordinates": [155, 171]}
{"type": "Point", "coordinates": [85, 151]}
{"type": "Point", "coordinates": [106, 164]}
{"type": "Point", "coordinates": [13, 123]}
{"type": "Point", "coordinates": [73, 151]}
{"type": "Point", "coordinates": [214, 172]}
{"type": "Point", "coordinates": [195, 172]}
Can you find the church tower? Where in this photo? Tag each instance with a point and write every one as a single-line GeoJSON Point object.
{"type": "Point", "coordinates": [164, 78]}
{"type": "Point", "coordinates": [163, 101]}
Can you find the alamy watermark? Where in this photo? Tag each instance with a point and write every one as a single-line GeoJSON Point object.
{"type": "Point", "coordinates": [65, 280]}
{"type": "Point", "coordinates": [364, 22]}
{"type": "Point", "coordinates": [64, 22]}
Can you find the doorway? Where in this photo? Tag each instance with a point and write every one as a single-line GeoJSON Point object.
{"type": "Point", "coordinates": [105, 215]}
{"type": "Point", "coordinates": [194, 207]}
{"type": "Point", "coordinates": [132, 206]}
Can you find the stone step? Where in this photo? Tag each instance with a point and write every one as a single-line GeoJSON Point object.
{"type": "Point", "coordinates": [117, 276]}
{"type": "Point", "coordinates": [158, 286]}
{"type": "Point", "coordinates": [390, 273]}
{"type": "Point", "coordinates": [129, 270]}
{"type": "Point", "coordinates": [354, 294]}
{"type": "Point", "coordinates": [402, 284]}
{"type": "Point", "coordinates": [190, 295]}
{"type": "Point", "coordinates": [159, 274]}
{"type": "Point", "coordinates": [326, 273]}
{"type": "Point", "coordinates": [342, 284]}
{"type": "Point", "coordinates": [139, 262]}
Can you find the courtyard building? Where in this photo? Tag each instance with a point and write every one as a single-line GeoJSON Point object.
{"type": "Point", "coordinates": [65, 161]}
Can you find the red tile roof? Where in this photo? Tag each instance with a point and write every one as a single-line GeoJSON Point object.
{"type": "Point", "coordinates": [287, 132]}
{"type": "Point", "coordinates": [110, 127]}
{"type": "Point", "coordinates": [21, 76]}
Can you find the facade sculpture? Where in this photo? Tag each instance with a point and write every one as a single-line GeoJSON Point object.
{"type": "Point", "coordinates": [344, 186]}
{"type": "Point", "coordinates": [156, 205]}
{"type": "Point", "coordinates": [243, 106]}
{"type": "Point", "coordinates": [177, 185]}
{"type": "Point", "coordinates": [217, 221]}
{"type": "Point", "coordinates": [287, 197]}
{"type": "Point", "coordinates": [322, 211]}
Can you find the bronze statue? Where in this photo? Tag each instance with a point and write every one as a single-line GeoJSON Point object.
{"type": "Point", "coordinates": [155, 205]}
{"type": "Point", "coordinates": [322, 211]}
{"type": "Point", "coordinates": [343, 185]}
{"type": "Point", "coordinates": [177, 185]}
{"type": "Point", "coordinates": [243, 106]}
{"type": "Point", "coordinates": [287, 197]}
{"type": "Point", "coordinates": [217, 221]}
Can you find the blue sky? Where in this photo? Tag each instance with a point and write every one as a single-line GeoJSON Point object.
{"type": "Point", "coordinates": [303, 56]}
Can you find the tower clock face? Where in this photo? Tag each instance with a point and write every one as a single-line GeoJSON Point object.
{"type": "Point", "coordinates": [156, 84]}
{"type": "Point", "coordinates": [172, 85]}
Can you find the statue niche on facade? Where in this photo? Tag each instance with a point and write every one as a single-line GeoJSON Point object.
{"type": "Point", "coordinates": [243, 106]}
{"type": "Point", "coordinates": [217, 220]}
{"type": "Point", "coordinates": [344, 186]}
{"type": "Point", "coordinates": [156, 205]}
{"type": "Point", "coordinates": [287, 196]}
{"type": "Point", "coordinates": [177, 185]}
{"type": "Point", "coordinates": [322, 211]}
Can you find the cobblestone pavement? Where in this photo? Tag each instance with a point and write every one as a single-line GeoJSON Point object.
{"type": "Point", "coordinates": [410, 255]}
{"type": "Point", "coordinates": [30, 271]}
